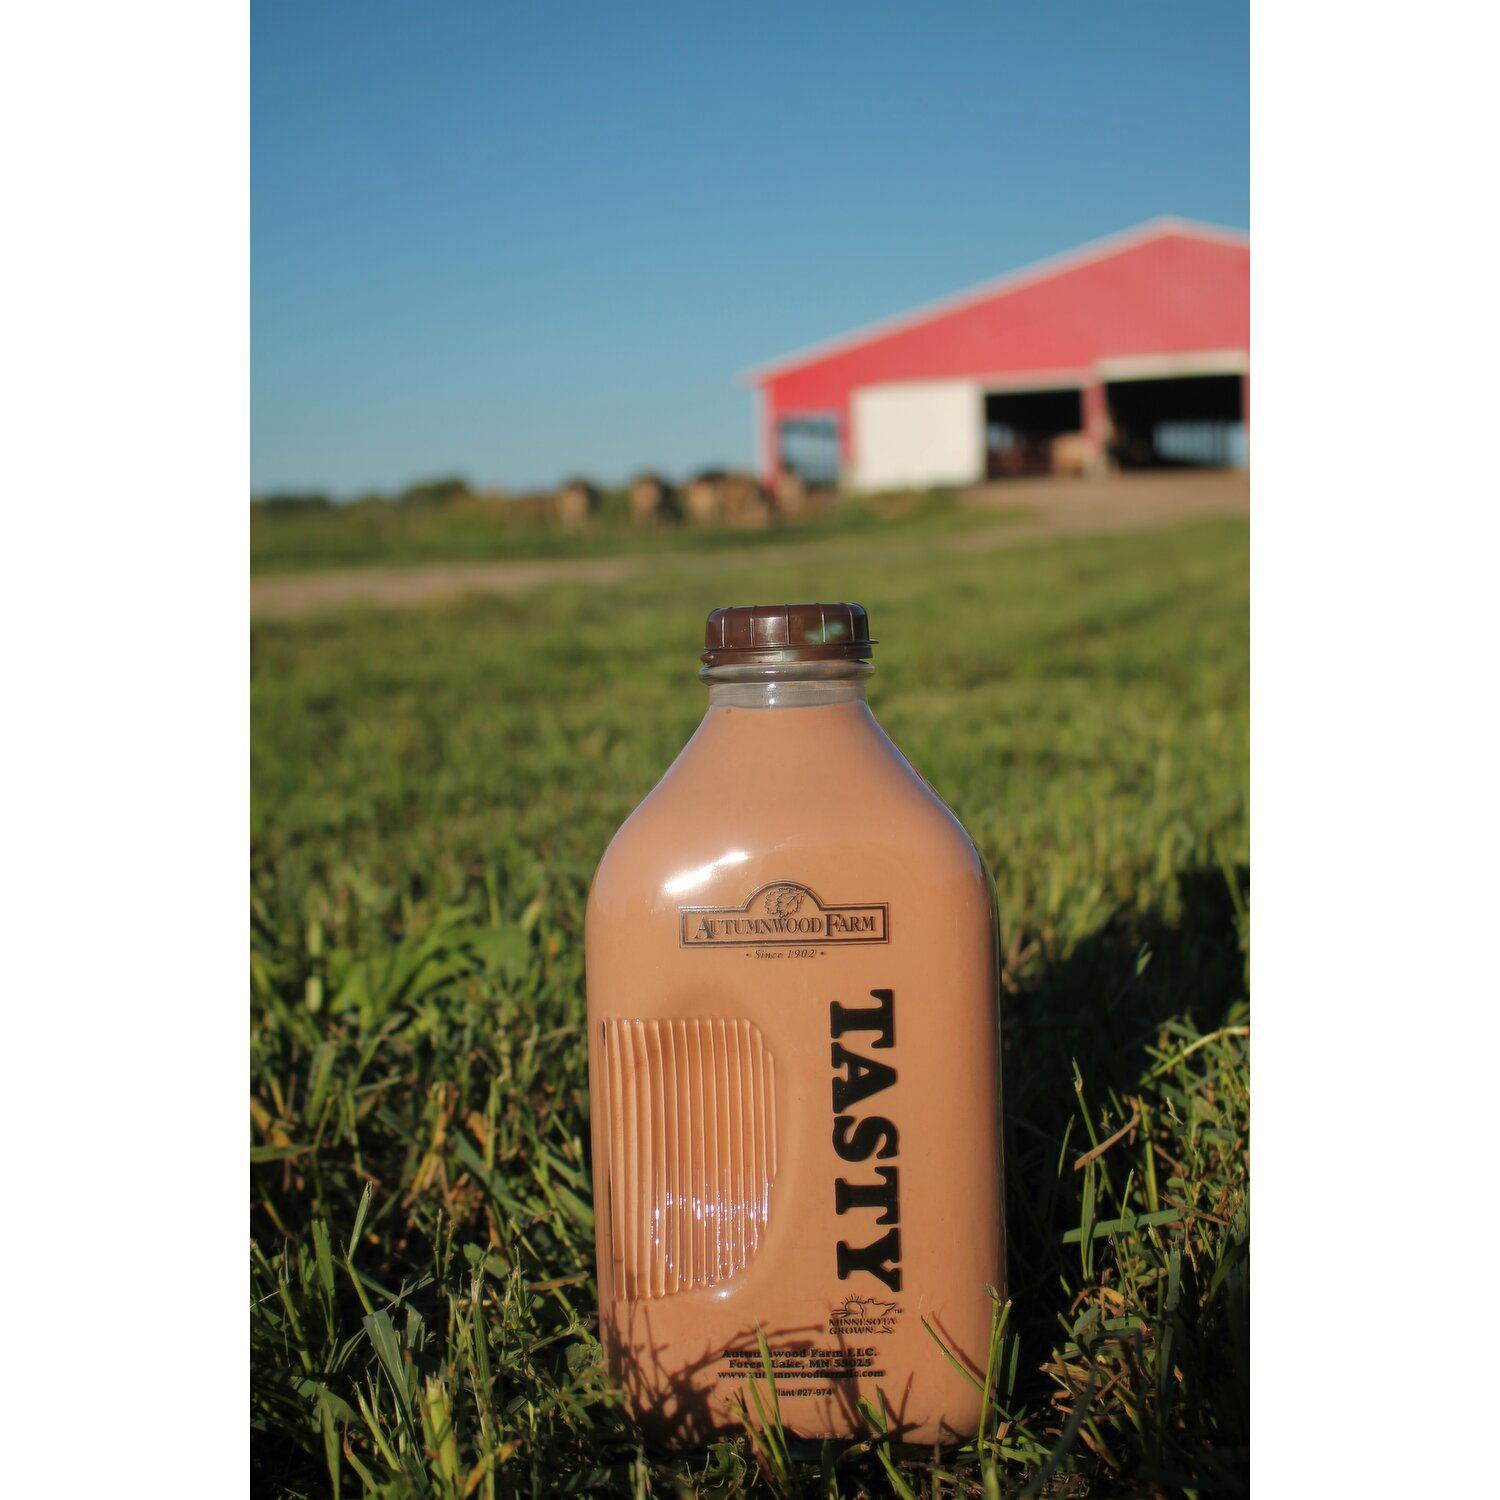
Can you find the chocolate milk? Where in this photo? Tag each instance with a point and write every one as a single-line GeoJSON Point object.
{"type": "Point", "coordinates": [793, 1061]}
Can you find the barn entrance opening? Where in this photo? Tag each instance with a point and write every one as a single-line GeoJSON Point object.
{"type": "Point", "coordinates": [809, 448]}
{"type": "Point", "coordinates": [1192, 421]}
{"type": "Point", "coordinates": [1022, 427]}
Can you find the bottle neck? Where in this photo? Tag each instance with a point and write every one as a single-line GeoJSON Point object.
{"type": "Point", "coordinates": [786, 685]}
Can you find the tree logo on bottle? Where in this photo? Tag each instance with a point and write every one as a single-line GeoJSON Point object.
{"type": "Point", "coordinates": [784, 900]}
{"type": "Point", "coordinates": [783, 913]}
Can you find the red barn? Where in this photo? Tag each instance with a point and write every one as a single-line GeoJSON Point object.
{"type": "Point", "coordinates": [1131, 351]}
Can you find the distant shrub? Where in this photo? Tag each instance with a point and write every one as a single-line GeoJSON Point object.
{"type": "Point", "coordinates": [291, 502]}
{"type": "Point", "coordinates": [430, 492]}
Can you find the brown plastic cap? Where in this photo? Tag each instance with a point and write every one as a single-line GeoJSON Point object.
{"type": "Point", "coordinates": [799, 632]}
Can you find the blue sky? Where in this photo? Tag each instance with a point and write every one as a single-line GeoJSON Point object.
{"type": "Point", "coordinates": [521, 241]}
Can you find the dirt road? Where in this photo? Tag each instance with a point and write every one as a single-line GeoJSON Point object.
{"type": "Point", "coordinates": [1054, 508]}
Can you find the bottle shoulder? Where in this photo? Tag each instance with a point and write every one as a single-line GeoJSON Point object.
{"type": "Point", "coordinates": [775, 814]}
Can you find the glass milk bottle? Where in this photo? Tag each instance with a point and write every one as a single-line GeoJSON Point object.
{"type": "Point", "coordinates": [793, 1036]}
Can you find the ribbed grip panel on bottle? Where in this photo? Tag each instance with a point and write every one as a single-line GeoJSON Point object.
{"type": "Point", "coordinates": [689, 1111]}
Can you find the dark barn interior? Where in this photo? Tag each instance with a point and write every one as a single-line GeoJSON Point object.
{"type": "Point", "coordinates": [1185, 421]}
{"type": "Point", "coordinates": [1020, 426]}
{"type": "Point", "coordinates": [810, 449]}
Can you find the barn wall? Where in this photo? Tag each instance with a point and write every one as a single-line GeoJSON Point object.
{"type": "Point", "coordinates": [1161, 295]}
{"type": "Point", "coordinates": [917, 433]}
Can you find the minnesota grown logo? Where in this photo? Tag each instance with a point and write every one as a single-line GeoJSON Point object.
{"type": "Point", "coordinates": [782, 913]}
{"type": "Point", "coordinates": [857, 1314]}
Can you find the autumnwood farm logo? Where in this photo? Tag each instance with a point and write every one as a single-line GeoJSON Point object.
{"type": "Point", "coordinates": [782, 913]}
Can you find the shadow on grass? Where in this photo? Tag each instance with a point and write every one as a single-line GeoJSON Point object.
{"type": "Point", "coordinates": [1104, 1015]}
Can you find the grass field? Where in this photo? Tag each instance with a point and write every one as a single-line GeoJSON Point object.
{"type": "Point", "coordinates": [431, 792]}
{"type": "Point", "coordinates": [475, 529]}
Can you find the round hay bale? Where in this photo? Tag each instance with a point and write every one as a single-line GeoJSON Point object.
{"type": "Point", "coordinates": [1075, 454]}
{"type": "Point", "coordinates": [703, 499]}
{"type": "Point", "coordinates": [792, 495]}
{"type": "Point", "coordinates": [716, 497]}
{"type": "Point", "coordinates": [577, 502]}
{"type": "Point", "coordinates": [744, 501]}
{"type": "Point", "coordinates": [652, 499]}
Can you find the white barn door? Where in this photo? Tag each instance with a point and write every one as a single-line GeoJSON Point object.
{"type": "Point", "coordinates": [919, 432]}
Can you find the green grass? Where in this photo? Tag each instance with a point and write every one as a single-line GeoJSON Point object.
{"type": "Point", "coordinates": [431, 793]}
{"type": "Point", "coordinates": [378, 533]}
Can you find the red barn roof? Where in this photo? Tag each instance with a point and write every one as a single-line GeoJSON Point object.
{"type": "Point", "coordinates": [1164, 288]}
